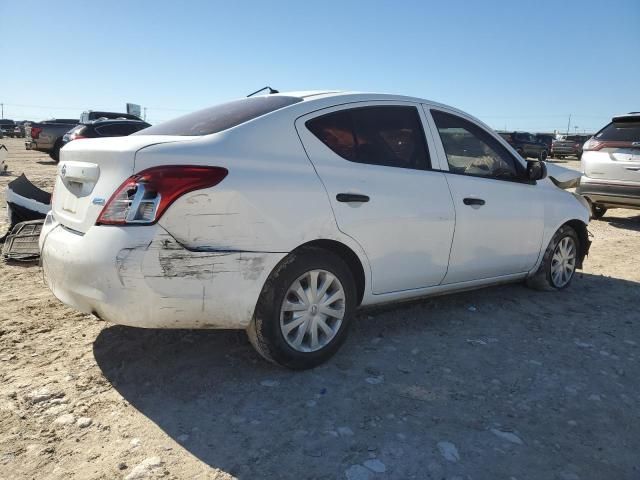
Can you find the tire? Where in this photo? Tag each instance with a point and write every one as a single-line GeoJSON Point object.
{"type": "Point", "coordinates": [543, 156]}
{"type": "Point", "coordinates": [55, 153]}
{"type": "Point", "coordinates": [266, 331]}
{"type": "Point", "coordinates": [544, 278]}
{"type": "Point", "coordinates": [597, 211]}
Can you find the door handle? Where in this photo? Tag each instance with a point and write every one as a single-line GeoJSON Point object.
{"type": "Point", "coordinates": [633, 169]}
{"type": "Point", "coordinates": [352, 197]}
{"type": "Point", "coordinates": [473, 201]}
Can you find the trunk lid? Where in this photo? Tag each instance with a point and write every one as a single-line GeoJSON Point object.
{"type": "Point", "coordinates": [90, 171]}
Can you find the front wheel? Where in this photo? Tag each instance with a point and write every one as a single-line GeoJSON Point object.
{"type": "Point", "coordinates": [55, 153]}
{"type": "Point", "coordinates": [559, 262]}
{"type": "Point", "coordinates": [597, 211]}
{"type": "Point", "coordinates": [304, 311]}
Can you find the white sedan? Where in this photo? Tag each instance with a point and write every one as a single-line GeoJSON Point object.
{"type": "Point", "coordinates": [282, 214]}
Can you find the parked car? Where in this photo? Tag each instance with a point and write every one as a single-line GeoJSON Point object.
{"type": "Point", "coordinates": [104, 128]}
{"type": "Point", "coordinates": [7, 127]}
{"type": "Point", "coordinates": [91, 115]}
{"type": "Point", "coordinates": [19, 130]}
{"type": "Point", "coordinates": [46, 136]}
{"type": "Point", "coordinates": [611, 166]}
{"type": "Point", "coordinates": [526, 144]}
{"type": "Point", "coordinates": [282, 214]}
{"type": "Point", "coordinates": [570, 145]}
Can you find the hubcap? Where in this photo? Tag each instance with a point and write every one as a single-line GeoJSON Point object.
{"type": "Point", "coordinates": [563, 262]}
{"type": "Point", "coordinates": [312, 311]}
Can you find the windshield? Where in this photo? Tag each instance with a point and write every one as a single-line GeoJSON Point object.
{"type": "Point", "coordinates": [221, 117]}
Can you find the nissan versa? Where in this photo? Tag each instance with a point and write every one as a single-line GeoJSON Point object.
{"type": "Point", "coordinates": [281, 214]}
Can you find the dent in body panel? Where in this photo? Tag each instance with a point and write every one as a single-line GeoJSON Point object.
{"type": "Point", "coordinates": [194, 289]}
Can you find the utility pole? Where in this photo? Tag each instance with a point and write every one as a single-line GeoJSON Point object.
{"type": "Point", "coordinates": [145, 114]}
{"type": "Point", "coordinates": [569, 124]}
{"type": "Point", "coordinates": [2, 105]}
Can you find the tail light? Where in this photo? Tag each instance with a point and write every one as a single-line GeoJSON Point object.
{"type": "Point", "coordinates": [594, 145]}
{"type": "Point", "coordinates": [35, 132]}
{"type": "Point", "coordinates": [144, 197]}
{"type": "Point", "coordinates": [75, 136]}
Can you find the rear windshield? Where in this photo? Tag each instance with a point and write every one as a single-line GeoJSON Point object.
{"type": "Point", "coordinates": [221, 117]}
{"type": "Point", "coordinates": [628, 131]}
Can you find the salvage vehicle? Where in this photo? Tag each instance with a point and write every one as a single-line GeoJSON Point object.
{"type": "Point", "coordinates": [611, 166]}
{"type": "Point", "coordinates": [46, 136]}
{"type": "Point", "coordinates": [547, 140]}
{"type": "Point", "coordinates": [91, 115]}
{"type": "Point", "coordinates": [103, 128]}
{"type": "Point", "coordinates": [527, 145]}
{"type": "Point", "coordinates": [282, 214]}
{"type": "Point", "coordinates": [568, 146]}
{"type": "Point", "coordinates": [7, 127]}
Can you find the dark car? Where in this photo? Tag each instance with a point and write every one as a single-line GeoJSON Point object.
{"type": "Point", "coordinates": [104, 128]}
{"type": "Point", "coordinates": [7, 127]}
{"type": "Point", "coordinates": [526, 144]}
{"type": "Point", "coordinates": [547, 139]}
{"type": "Point", "coordinates": [92, 115]}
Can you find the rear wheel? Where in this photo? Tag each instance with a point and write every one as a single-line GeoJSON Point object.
{"type": "Point", "coordinates": [304, 310]}
{"type": "Point", "coordinates": [559, 262]}
{"type": "Point", "coordinates": [597, 211]}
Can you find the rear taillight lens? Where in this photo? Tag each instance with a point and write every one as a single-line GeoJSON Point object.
{"type": "Point", "coordinates": [35, 132]}
{"type": "Point", "coordinates": [592, 144]}
{"type": "Point", "coordinates": [143, 198]}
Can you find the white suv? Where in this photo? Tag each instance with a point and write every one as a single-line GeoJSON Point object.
{"type": "Point", "coordinates": [611, 166]}
{"type": "Point", "coordinates": [282, 214]}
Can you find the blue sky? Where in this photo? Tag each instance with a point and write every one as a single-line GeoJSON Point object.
{"type": "Point", "coordinates": [514, 65]}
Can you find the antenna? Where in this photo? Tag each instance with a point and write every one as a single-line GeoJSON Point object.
{"type": "Point", "coordinates": [271, 91]}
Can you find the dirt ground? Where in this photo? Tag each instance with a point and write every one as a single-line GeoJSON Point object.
{"type": "Point", "coordinates": [501, 383]}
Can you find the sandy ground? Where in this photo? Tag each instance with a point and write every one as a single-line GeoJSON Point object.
{"type": "Point", "coordinates": [501, 383]}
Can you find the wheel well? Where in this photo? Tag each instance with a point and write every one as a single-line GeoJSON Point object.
{"type": "Point", "coordinates": [583, 236]}
{"type": "Point", "coordinates": [347, 255]}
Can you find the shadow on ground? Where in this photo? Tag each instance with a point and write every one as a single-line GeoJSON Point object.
{"type": "Point", "coordinates": [557, 370]}
{"type": "Point", "coordinates": [627, 223]}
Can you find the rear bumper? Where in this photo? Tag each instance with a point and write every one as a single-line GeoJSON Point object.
{"type": "Point", "coordinates": [610, 193]}
{"type": "Point", "coordinates": [140, 276]}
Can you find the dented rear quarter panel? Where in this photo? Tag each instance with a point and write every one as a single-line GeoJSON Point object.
{"type": "Point", "coordinates": [145, 278]}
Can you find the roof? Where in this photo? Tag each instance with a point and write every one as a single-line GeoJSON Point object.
{"type": "Point", "coordinates": [633, 116]}
{"type": "Point", "coordinates": [328, 98]}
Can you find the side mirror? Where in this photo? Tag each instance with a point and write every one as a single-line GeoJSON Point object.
{"type": "Point", "coordinates": [536, 170]}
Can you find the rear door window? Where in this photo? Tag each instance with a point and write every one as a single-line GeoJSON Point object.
{"type": "Point", "coordinates": [471, 150]}
{"type": "Point", "coordinates": [221, 117]}
{"type": "Point", "coordinates": [378, 135]}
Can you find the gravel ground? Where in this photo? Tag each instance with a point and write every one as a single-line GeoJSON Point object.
{"type": "Point", "coordinates": [500, 383]}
